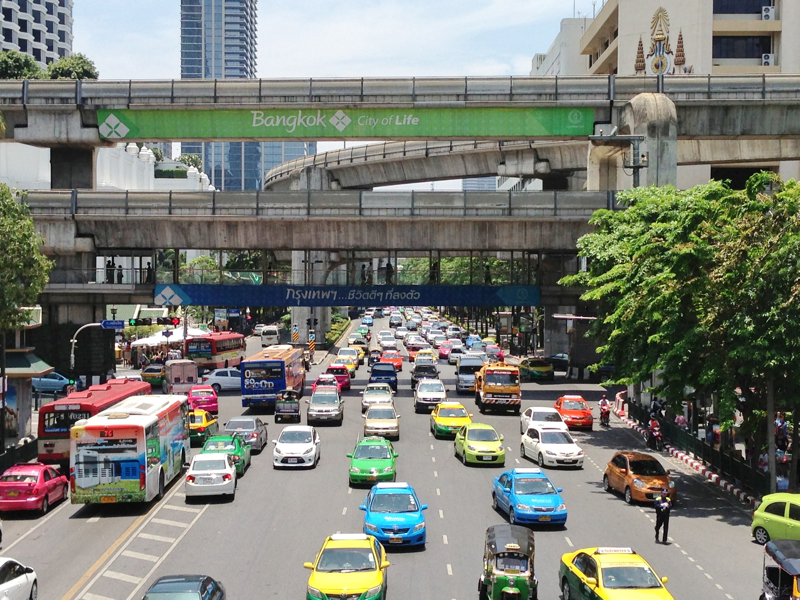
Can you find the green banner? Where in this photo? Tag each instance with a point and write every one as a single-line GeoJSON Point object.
{"type": "Point", "coordinates": [346, 123]}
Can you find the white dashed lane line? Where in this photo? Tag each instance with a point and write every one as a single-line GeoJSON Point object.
{"type": "Point", "coordinates": [449, 569]}
{"type": "Point", "coordinates": [441, 514]}
{"type": "Point", "coordinates": [444, 539]}
{"type": "Point", "coordinates": [344, 511]}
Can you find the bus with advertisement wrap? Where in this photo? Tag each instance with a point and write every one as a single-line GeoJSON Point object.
{"type": "Point", "coordinates": [56, 418]}
{"type": "Point", "coordinates": [270, 371]}
{"type": "Point", "coordinates": [218, 350]}
{"type": "Point", "coordinates": [129, 452]}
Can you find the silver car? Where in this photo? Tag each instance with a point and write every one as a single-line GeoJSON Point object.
{"type": "Point", "coordinates": [252, 430]}
{"type": "Point", "coordinates": [325, 405]}
{"type": "Point", "coordinates": [429, 393]}
{"type": "Point", "coordinates": [376, 393]}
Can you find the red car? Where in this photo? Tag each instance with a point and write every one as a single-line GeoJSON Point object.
{"type": "Point", "coordinates": [342, 375]}
{"type": "Point", "coordinates": [493, 350]}
{"type": "Point", "coordinates": [393, 357]}
{"type": "Point", "coordinates": [444, 349]}
{"type": "Point", "coordinates": [32, 486]}
{"type": "Point", "coordinates": [205, 398]}
{"type": "Point", "coordinates": [575, 411]}
{"type": "Point", "coordinates": [326, 379]}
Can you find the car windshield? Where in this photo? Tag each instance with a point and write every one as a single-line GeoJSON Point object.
{"type": "Point", "coordinates": [647, 467]}
{"type": "Point", "coordinates": [348, 352]}
{"type": "Point", "coordinates": [394, 503]}
{"type": "Point", "coordinates": [538, 363]}
{"type": "Point", "coordinates": [208, 464]}
{"type": "Point", "coordinates": [196, 418]}
{"type": "Point", "coordinates": [533, 487]}
{"type": "Point", "coordinates": [381, 413]}
{"type": "Point", "coordinates": [430, 387]}
{"type": "Point", "coordinates": [337, 370]}
{"type": "Point", "coordinates": [219, 445]}
{"type": "Point", "coordinates": [468, 369]}
{"type": "Point", "coordinates": [630, 577]}
{"type": "Point", "coordinates": [391, 355]}
{"type": "Point", "coordinates": [377, 391]}
{"type": "Point", "coordinates": [295, 437]}
{"type": "Point", "coordinates": [152, 370]}
{"type": "Point", "coordinates": [556, 437]}
{"type": "Point", "coordinates": [20, 477]}
{"type": "Point", "coordinates": [372, 451]}
{"type": "Point", "coordinates": [575, 405]}
{"type": "Point", "coordinates": [172, 596]}
{"type": "Point", "coordinates": [326, 379]}
{"type": "Point", "coordinates": [240, 424]}
{"type": "Point", "coordinates": [202, 393]}
{"type": "Point", "coordinates": [495, 378]}
{"type": "Point", "coordinates": [322, 398]}
{"type": "Point", "coordinates": [482, 435]}
{"type": "Point", "coordinates": [512, 563]}
{"type": "Point", "coordinates": [452, 413]}
{"type": "Point", "coordinates": [383, 368]}
{"type": "Point", "coordinates": [346, 560]}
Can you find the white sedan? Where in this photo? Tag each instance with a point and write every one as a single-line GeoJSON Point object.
{"type": "Point", "coordinates": [296, 446]}
{"type": "Point", "coordinates": [376, 393]}
{"type": "Point", "coordinates": [211, 474]}
{"type": "Point", "coordinates": [17, 581]}
{"type": "Point", "coordinates": [540, 415]}
{"type": "Point", "coordinates": [387, 343]}
{"type": "Point", "coordinates": [551, 447]}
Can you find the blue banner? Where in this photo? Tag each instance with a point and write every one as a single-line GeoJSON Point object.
{"type": "Point", "coordinates": [346, 295]}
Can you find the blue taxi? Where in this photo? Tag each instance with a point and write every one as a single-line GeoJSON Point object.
{"type": "Point", "coordinates": [528, 496]}
{"type": "Point", "coordinates": [367, 320]}
{"type": "Point", "coordinates": [394, 515]}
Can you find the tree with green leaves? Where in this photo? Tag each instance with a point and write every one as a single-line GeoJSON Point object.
{"type": "Point", "coordinates": [191, 160]}
{"type": "Point", "coordinates": [18, 65]}
{"type": "Point", "coordinates": [75, 66]}
{"type": "Point", "coordinates": [24, 270]}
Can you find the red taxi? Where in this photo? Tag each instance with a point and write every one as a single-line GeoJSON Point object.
{"type": "Point", "coordinates": [393, 357]}
{"type": "Point", "coordinates": [575, 412]}
{"type": "Point", "coordinates": [32, 486]}
{"type": "Point", "coordinates": [326, 379]}
{"type": "Point", "coordinates": [204, 397]}
{"type": "Point", "coordinates": [342, 375]}
{"type": "Point", "coordinates": [494, 351]}
{"type": "Point", "coordinates": [444, 349]}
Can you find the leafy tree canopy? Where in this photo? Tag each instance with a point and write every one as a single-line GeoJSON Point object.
{"type": "Point", "coordinates": [17, 65]}
{"type": "Point", "coordinates": [76, 66]}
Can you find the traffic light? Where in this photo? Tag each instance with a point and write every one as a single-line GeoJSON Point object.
{"type": "Point", "coordinates": [140, 322]}
{"type": "Point", "coordinates": [175, 321]}
{"type": "Point", "coordinates": [316, 321]}
{"type": "Point", "coordinates": [308, 323]}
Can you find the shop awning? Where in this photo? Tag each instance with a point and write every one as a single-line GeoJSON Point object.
{"type": "Point", "coordinates": [25, 364]}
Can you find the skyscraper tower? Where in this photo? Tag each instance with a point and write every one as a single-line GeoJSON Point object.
{"type": "Point", "coordinates": [218, 41]}
{"type": "Point", "coordinates": [42, 29]}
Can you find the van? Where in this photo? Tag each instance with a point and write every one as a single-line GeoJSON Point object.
{"type": "Point", "coordinates": [270, 336]}
{"type": "Point", "coordinates": [466, 367]}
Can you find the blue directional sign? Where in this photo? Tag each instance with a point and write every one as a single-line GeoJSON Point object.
{"type": "Point", "coordinates": [344, 295]}
{"type": "Point", "coordinates": [116, 324]}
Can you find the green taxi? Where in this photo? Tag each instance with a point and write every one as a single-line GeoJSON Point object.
{"type": "Point", "coordinates": [372, 460]}
{"type": "Point", "coordinates": [536, 369]}
{"type": "Point", "coordinates": [362, 330]}
{"type": "Point", "coordinates": [233, 445]}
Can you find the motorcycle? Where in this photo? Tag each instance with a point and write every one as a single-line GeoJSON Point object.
{"type": "Point", "coordinates": [654, 439]}
{"type": "Point", "coordinates": [605, 416]}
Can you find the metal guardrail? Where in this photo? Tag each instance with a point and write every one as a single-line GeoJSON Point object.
{"type": "Point", "coordinates": [419, 91]}
{"type": "Point", "coordinates": [346, 203]}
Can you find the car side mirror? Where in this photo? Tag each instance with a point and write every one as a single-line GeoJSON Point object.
{"type": "Point", "coordinates": [30, 570]}
{"type": "Point", "coordinates": [274, 441]}
{"type": "Point", "coordinates": [362, 507]}
{"type": "Point", "coordinates": [667, 471]}
{"type": "Point", "coordinates": [471, 415]}
{"type": "Point", "coordinates": [424, 507]}
{"type": "Point", "coordinates": [501, 437]}
{"type": "Point", "coordinates": [385, 564]}
{"type": "Point", "coordinates": [591, 581]}
{"type": "Point", "coordinates": [308, 401]}
{"type": "Point", "coordinates": [363, 416]}
{"type": "Point", "coordinates": [664, 579]}
{"type": "Point", "coordinates": [559, 490]}
{"type": "Point", "coordinates": [398, 416]}
{"type": "Point", "coordinates": [396, 455]}
{"type": "Point", "coordinates": [361, 393]}
{"type": "Point", "coordinates": [225, 424]}
{"type": "Point", "coordinates": [350, 455]}
{"type": "Point", "coordinates": [623, 471]}
{"type": "Point", "coordinates": [308, 565]}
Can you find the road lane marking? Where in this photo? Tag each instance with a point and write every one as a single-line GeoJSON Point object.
{"type": "Point", "coordinates": [438, 492]}
{"type": "Point", "coordinates": [729, 597]}
{"type": "Point", "coordinates": [684, 552]}
{"type": "Point", "coordinates": [508, 448]}
{"type": "Point", "coordinates": [169, 523]}
{"type": "Point", "coordinates": [180, 494]}
{"type": "Point", "coordinates": [441, 514]}
{"type": "Point", "coordinates": [516, 460]}
{"type": "Point", "coordinates": [121, 577]}
{"type": "Point", "coordinates": [93, 520]}
{"type": "Point", "coordinates": [449, 569]}
{"type": "Point", "coordinates": [433, 459]}
{"type": "Point", "coordinates": [569, 542]}
{"type": "Point", "coordinates": [435, 473]}
{"type": "Point", "coordinates": [699, 567]}
{"type": "Point", "coordinates": [96, 597]}
{"type": "Point", "coordinates": [431, 446]}
{"type": "Point", "coordinates": [156, 538]}
{"type": "Point", "coordinates": [34, 528]}
{"type": "Point", "coordinates": [140, 556]}
{"type": "Point", "coordinates": [719, 587]}
{"type": "Point", "coordinates": [349, 490]}
{"type": "Point", "coordinates": [444, 539]}
{"type": "Point", "coordinates": [709, 576]}
{"type": "Point", "coordinates": [344, 511]}
{"type": "Point", "coordinates": [690, 558]}
{"type": "Point", "coordinates": [187, 509]}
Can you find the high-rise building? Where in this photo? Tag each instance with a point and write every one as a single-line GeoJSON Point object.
{"type": "Point", "coordinates": [218, 41]}
{"type": "Point", "coordinates": [41, 28]}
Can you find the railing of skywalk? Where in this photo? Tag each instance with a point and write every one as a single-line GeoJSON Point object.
{"type": "Point", "coordinates": [580, 90]}
{"type": "Point", "coordinates": [346, 203]}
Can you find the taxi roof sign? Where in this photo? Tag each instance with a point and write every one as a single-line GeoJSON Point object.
{"type": "Point", "coordinates": [397, 485]}
{"type": "Point", "coordinates": [528, 471]}
{"type": "Point", "coordinates": [348, 536]}
{"type": "Point", "coordinates": [614, 551]}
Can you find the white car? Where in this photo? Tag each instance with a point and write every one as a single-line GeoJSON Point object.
{"type": "Point", "coordinates": [429, 393]}
{"type": "Point", "coordinates": [296, 446]}
{"type": "Point", "coordinates": [210, 474]}
{"type": "Point", "coordinates": [376, 393]}
{"type": "Point", "coordinates": [551, 447]}
{"type": "Point", "coordinates": [258, 329]}
{"type": "Point", "coordinates": [437, 340]}
{"type": "Point", "coordinates": [386, 332]}
{"type": "Point", "coordinates": [224, 379]}
{"type": "Point", "coordinates": [400, 333]}
{"type": "Point", "coordinates": [387, 343]}
{"type": "Point", "coordinates": [17, 581]}
{"type": "Point", "coordinates": [540, 415]}
{"type": "Point", "coordinates": [350, 353]}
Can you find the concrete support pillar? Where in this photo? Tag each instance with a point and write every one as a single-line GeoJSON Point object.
{"type": "Point", "coordinates": [654, 116]}
{"type": "Point", "coordinates": [309, 268]}
{"type": "Point", "coordinates": [602, 169]}
{"type": "Point", "coordinates": [72, 168]}
{"type": "Point", "coordinates": [312, 178]}
{"type": "Point", "coordinates": [556, 336]}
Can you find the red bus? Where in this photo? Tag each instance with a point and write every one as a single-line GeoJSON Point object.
{"type": "Point", "coordinates": [215, 350]}
{"type": "Point", "coordinates": [56, 418]}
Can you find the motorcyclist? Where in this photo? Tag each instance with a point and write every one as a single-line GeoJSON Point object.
{"type": "Point", "coordinates": [604, 403]}
{"type": "Point", "coordinates": [605, 409]}
{"type": "Point", "coordinates": [652, 427]}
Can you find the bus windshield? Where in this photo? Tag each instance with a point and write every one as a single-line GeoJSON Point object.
{"type": "Point", "coordinates": [61, 421]}
{"type": "Point", "coordinates": [501, 378]}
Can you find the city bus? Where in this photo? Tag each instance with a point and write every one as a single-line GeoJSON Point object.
{"type": "Point", "coordinates": [129, 452]}
{"type": "Point", "coordinates": [215, 350]}
{"type": "Point", "coordinates": [56, 418]}
{"type": "Point", "coordinates": [270, 371]}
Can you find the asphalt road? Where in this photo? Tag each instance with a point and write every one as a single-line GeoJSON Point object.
{"type": "Point", "coordinates": [256, 545]}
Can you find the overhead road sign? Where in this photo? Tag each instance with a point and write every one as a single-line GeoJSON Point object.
{"type": "Point", "coordinates": [113, 324]}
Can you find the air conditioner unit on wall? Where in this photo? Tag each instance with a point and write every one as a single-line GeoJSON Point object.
{"type": "Point", "coordinates": [767, 13]}
{"type": "Point", "coordinates": [767, 60]}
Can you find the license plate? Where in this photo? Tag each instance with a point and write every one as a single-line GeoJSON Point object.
{"type": "Point", "coordinates": [291, 460]}
{"type": "Point", "coordinates": [395, 540]}
{"type": "Point", "coordinates": [206, 480]}
{"type": "Point", "coordinates": [544, 518]}
{"type": "Point", "coordinates": [12, 494]}
{"type": "Point", "coordinates": [108, 499]}
{"type": "Point", "coordinates": [485, 457]}
{"type": "Point", "coordinates": [372, 478]}
{"type": "Point", "coordinates": [569, 462]}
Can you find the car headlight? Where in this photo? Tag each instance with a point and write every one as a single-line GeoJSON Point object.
{"type": "Point", "coordinates": [672, 484]}
{"type": "Point", "coordinates": [388, 470]}
{"type": "Point", "coordinates": [561, 507]}
{"type": "Point", "coordinates": [580, 453]}
{"type": "Point", "coordinates": [418, 527]}
{"type": "Point", "coordinates": [309, 451]}
{"type": "Point", "coordinates": [638, 483]}
{"type": "Point", "coordinates": [355, 470]}
{"type": "Point", "coordinates": [278, 452]}
{"type": "Point", "coordinates": [523, 507]}
{"type": "Point", "coordinates": [313, 592]}
{"type": "Point", "coordinates": [471, 447]}
{"type": "Point", "coordinates": [373, 591]}
{"type": "Point", "coordinates": [550, 453]}
{"type": "Point", "coordinates": [370, 527]}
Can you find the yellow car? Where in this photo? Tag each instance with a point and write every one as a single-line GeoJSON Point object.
{"type": "Point", "coordinates": [349, 565]}
{"type": "Point", "coordinates": [536, 369]}
{"type": "Point", "coordinates": [361, 353]}
{"type": "Point", "coordinates": [448, 417]}
{"type": "Point", "coordinates": [202, 425]}
{"type": "Point", "coordinates": [609, 574]}
{"type": "Point", "coordinates": [348, 362]}
{"type": "Point", "coordinates": [427, 352]}
{"type": "Point", "coordinates": [489, 340]}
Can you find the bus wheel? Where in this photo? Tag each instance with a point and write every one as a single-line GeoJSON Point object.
{"type": "Point", "coordinates": [161, 485]}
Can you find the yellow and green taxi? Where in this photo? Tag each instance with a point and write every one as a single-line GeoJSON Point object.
{"type": "Point", "coordinates": [346, 361]}
{"type": "Point", "coordinates": [609, 574]}
{"type": "Point", "coordinates": [448, 417]}
{"type": "Point", "coordinates": [372, 460]}
{"type": "Point", "coordinates": [153, 374]}
{"type": "Point", "coordinates": [536, 368]}
{"type": "Point", "coordinates": [202, 425]}
{"type": "Point", "coordinates": [362, 351]}
{"type": "Point", "coordinates": [426, 353]}
{"type": "Point", "coordinates": [480, 444]}
{"type": "Point", "coordinates": [349, 565]}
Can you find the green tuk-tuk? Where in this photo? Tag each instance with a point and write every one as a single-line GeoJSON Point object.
{"type": "Point", "coordinates": [508, 564]}
{"type": "Point", "coordinates": [287, 405]}
{"type": "Point", "coordinates": [781, 579]}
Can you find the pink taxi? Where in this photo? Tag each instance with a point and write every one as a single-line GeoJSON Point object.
{"type": "Point", "coordinates": [205, 398]}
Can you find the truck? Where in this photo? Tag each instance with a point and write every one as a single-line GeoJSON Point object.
{"type": "Point", "coordinates": [179, 376]}
{"type": "Point", "coordinates": [497, 387]}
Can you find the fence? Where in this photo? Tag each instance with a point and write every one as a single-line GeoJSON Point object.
{"type": "Point", "coordinates": [727, 465]}
{"type": "Point", "coordinates": [16, 454]}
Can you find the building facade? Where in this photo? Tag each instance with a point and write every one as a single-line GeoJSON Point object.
{"type": "Point", "coordinates": [564, 57]}
{"type": "Point", "coordinates": [218, 41]}
{"type": "Point", "coordinates": [41, 28]}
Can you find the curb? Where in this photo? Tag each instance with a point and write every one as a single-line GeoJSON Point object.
{"type": "Point", "coordinates": [706, 472]}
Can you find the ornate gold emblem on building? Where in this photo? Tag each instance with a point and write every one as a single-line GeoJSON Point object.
{"type": "Point", "coordinates": [661, 60]}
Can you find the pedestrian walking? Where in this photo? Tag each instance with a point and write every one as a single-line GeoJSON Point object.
{"type": "Point", "coordinates": [109, 272]}
{"type": "Point", "coordinates": [364, 274]}
{"type": "Point", "coordinates": [663, 505]}
{"type": "Point", "coordinates": [119, 274]}
{"type": "Point", "coordinates": [389, 273]}
{"type": "Point", "coordinates": [149, 274]}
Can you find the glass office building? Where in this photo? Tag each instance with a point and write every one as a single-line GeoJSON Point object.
{"type": "Point", "coordinates": [218, 41]}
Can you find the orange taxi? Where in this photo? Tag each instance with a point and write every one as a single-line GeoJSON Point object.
{"type": "Point", "coordinates": [638, 476]}
{"type": "Point", "coordinates": [393, 357]}
{"type": "Point", "coordinates": [575, 411]}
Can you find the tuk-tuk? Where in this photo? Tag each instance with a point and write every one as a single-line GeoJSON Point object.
{"type": "Point", "coordinates": [287, 405]}
{"type": "Point", "coordinates": [374, 356]}
{"type": "Point", "coordinates": [508, 564]}
{"type": "Point", "coordinates": [782, 573]}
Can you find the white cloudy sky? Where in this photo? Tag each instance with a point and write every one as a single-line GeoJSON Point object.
{"type": "Point", "coordinates": [140, 39]}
